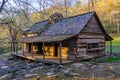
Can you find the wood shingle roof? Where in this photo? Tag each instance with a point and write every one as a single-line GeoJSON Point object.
{"type": "Point", "coordinates": [71, 25]}
{"type": "Point", "coordinates": [61, 30]}
{"type": "Point", "coordinates": [37, 27]}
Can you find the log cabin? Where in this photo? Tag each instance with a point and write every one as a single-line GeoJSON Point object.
{"type": "Point", "coordinates": [64, 40]}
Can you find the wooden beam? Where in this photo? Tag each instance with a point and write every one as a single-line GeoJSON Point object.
{"type": "Point", "coordinates": [110, 47]}
{"type": "Point", "coordinates": [60, 45]}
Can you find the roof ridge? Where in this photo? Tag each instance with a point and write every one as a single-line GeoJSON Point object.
{"type": "Point", "coordinates": [79, 15]}
{"type": "Point", "coordinates": [41, 21]}
{"type": "Point", "coordinates": [68, 17]}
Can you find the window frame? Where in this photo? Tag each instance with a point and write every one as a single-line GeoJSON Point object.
{"type": "Point", "coordinates": [93, 46]}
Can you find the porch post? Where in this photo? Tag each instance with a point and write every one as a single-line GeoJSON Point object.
{"type": "Point", "coordinates": [17, 48]}
{"type": "Point", "coordinates": [60, 45]}
{"type": "Point", "coordinates": [11, 47]}
{"type": "Point", "coordinates": [23, 49]}
{"type": "Point", "coordinates": [14, 47]}
{"type": "Point", "coordinates": [110, 47]}
{"type": "Point", "coordinates": [43, 51]}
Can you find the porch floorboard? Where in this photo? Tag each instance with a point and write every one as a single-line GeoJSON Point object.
{"type": "Point", "coordinates": [39, 58]}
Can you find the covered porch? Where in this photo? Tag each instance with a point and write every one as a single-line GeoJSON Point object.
{"type": "Point", "coordinates": [50, 50]}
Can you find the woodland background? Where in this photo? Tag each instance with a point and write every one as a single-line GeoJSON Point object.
{"type": "Point", "coordinates": [16, 16]}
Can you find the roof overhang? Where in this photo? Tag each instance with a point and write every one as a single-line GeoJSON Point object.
{"type": "Point", "coordinates": [108, 38]}
{"type": "Point", "coordinates": [54, 38]}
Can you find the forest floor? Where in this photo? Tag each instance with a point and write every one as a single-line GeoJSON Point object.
{"type": "Point", "coordinates": [12, 68]}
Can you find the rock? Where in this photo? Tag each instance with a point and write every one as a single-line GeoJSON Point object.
{"type": "Point", "coordinates": [60, 74]}
{"type": "Point", "coordinates": [101, 66]}
{"type": "Point", "coordinates": [11, 58]}
{"type": "Point", "coordinates": [110, 67]}
{"type": "Point", "coordinates": [73, 74]}
{"type": "Point", "coordinates": [89, 64]}
{"type": "Point", "coordinates": [53, 65]}
{"type": "Point", "coordinates": [3, 72]}
{"type": "Point", "coordinates": [40, 64]}
{"type": "Point", "coordinates": [112, 76]}
{"type": "Point", "coordinates": [93, 66]}
{"type": "Point", "coordinates": [38, 77]}
{"type": "Point", "coordinates": [9, 76]}
{"type": "Point", "coordinates": [3, 67]}
{"type": "Point", "coordinates": [53, 69]}
{"type": "Point", "coordinates": [61, 67]}
{"type": "Point", "coordinates": [42, 67]}
{"type": "Point", "coordinates": [52, 76]}
{"type": "Point", "coordinates": [31, 65]}
{"type": "Point", "coordinates": [34, 69]}
{"type": "Point", "coordinates": [30, 75]}
{"type": "Point", "coordinates": [50, 73]}
{"type": "Point", "coordinates": [77, 65]}
{"type": "Point", "coordinates": [76, 78]}
{"type": "Point", "coordinates": [66, 70]}
{"type": "Point", "coordinates": [4, 77]}
{"type": "Point", "coordinates": [28, 67]}
{"type": "Point", "coordinates": [12, 69]}
{"type": "Point", "coordinates": [22, 72]}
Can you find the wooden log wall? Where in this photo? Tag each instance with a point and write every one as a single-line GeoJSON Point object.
{"type": "Point", "coordinates": [91, 33]}
{"type": "Point", "coordinates": [92, 27]}
{"type": "Point", "coordinates": [82, 46]}
{"type": "Point", "coordinates": [68, 48]}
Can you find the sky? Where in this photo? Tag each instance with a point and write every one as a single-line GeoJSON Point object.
{"type": "Point", "coordinates": [34, 4]}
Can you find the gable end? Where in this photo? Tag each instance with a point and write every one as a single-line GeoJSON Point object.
{"type": "Point", "coordinates": [92, 26]}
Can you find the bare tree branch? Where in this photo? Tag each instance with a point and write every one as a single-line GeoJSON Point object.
{"type": "Point", "coordinates": [2, 4]}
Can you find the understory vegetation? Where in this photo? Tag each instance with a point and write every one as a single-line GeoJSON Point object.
{"type": "Point", "coordinates": [4, 49]}
{"type": "Point", "coordinates": [115, 44]}
{"type": "Point", "coordinates": [112, 59]}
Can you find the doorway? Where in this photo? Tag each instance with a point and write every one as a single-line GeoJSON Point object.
{"type": "Point", "coordinates": [56, 50]}
{"type": "Point", "coordinates": [40, 51]}
{"type": "Point", "coordinates": [29, 47]}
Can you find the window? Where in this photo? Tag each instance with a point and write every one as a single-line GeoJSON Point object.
{"type": "Point", "coordinates": [92, 45]}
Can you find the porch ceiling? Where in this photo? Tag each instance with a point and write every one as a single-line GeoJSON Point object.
{"type": "Point", "coordinates": [45, 38]}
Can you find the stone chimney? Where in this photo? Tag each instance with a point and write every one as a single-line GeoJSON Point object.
{"type": "Point", "coordinates": [55, 17]}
